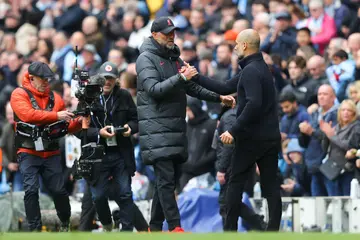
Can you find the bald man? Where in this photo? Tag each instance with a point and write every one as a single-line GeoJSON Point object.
{"type": "Point", "coordinates": [240, 25]}
{"type": "Point", "coordinates": [354, 43]}
{"type": "Point", "coordinates": [255, 133]}
{"type": "Point", "coordinates": [316, 66]}
{"type": "Point", "coordinates": [311, 138]}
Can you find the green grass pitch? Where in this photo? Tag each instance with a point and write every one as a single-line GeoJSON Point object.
{"type": "Point", "coordinates": [177, 236]}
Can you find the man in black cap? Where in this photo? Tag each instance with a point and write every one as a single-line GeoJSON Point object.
{"type": "Point", "coordinates": [162, 87]}
{"type": "Point", "coordinates": [282, 38]}
{"type": "Point", "coordinates": [114, 121]}
{"type": "Point", "coordinates": [35, 108]}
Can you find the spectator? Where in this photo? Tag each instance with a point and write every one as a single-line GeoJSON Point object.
{"type": "Point", "coordinates": [198, 27]}
{"type": "Point", "coordinates": [306, 52]}
{"type": "Point", "coordinates": [116, 56]}
{"type": "Point", "coordinates": [336, 143]}
{"type": "Point", "coordinates": [337, 11]}
{"type": "Point", "coordinates": [354, 94]}
{"type": "Point", "coordinates": [261, 25]}
{"type": "Point", "coordinates": [77, 40]}
{"type": "Point", "coordinates": [223, 62]}
{"type": "Point", "coordinates": [189, 54]}
{"type": "Point", "coordinates": [61, 48]}
{"type": "Point", "coordinates": [98, 9]}
{"type": "Point", "coordinates": [200, 129]}
{"type": "Point", "coordinates": [354, 26]}
{"type": "Point", "coordinates": [282, 39]}
{"type": "Point", "coordinates": [9, 42]}
{"type": "Point", "coordinates": [141, 31]}
{"type": "Point", "coordinates": [311, 137]}
{"type": "Point", "coordinates": [297, 16]}
{"type": "Point", "coordinates": [303, 88]}
{"type": "Point", "coordinates": [69, 20]}
{"type": "Point", "coordinates": [224, 154]}
{"type": "Point", "coordinates": [321, 25]}
{"type": "Point", "coordinates": [93, 34]}
{"type": "Point", "coordinates": [45, 48]}
{"type": "Point", "coordinates": [341, 73]}
{"type": "Point", "coordinates": [303, 37]}
{"type": "Point", "coordinates": [316, 67]}
{"type": "Point", "coordinates": [298, 184]}
{"type": "Point", "coordinates": [12, 23]}
{"type": "Point", "coordinates": [15, 61]}
{"type": "Point", "coordinates": [240, 25]}
{"type": "Point", "coordinates": [90, 64]}
{"type": "Point", "coordinates": [354, 45]}
{"type": "Point", "coordinates": [259, 6]}
{"type": "Point", "coordinates": [9, 158]}
{"type": "Point", "coordinates": [294, 115]}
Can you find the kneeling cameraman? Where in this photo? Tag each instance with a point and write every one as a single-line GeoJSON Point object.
{"type": "Point", "coordinates": [41, 120]}
{"type": "Point", "coordinates": [115, 110]}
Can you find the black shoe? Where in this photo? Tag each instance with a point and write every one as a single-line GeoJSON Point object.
{"type": "Point", "coordinates": [263, 225]}
{"type": "Point", "coordinates": [257, 223]}
{"type": "Point", "coordinates": [65, 227]}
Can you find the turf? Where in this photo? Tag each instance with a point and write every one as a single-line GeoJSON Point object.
{"type": "Point", "coordinates": [172, 236]}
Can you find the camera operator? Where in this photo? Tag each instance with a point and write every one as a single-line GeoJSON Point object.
{"type": "Point", "coordinates": [35, 108]}
{"type": "Point", "coordinates": [115, 108]}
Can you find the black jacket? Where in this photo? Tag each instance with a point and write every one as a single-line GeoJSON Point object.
{"type": "Point", "coordinates": [70, 21]}
{"type": "Point", "coordinates": [224, 152]}
{"type": "Point", "coordinates": [121, 110]}
{"type": "Point", "coordinates": [305, 90]}
{"type": "Point", "coordinates": [161, 103]}
{"type": "Point", "coordinates": [200, 132]}
{"type": "Point", "coordinates": [257, 113]}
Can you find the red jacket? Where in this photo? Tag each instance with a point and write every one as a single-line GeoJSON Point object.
{"type": "Point", "coordinates": [328, 31]}
{"type": "Point", "coordinates": [21, 105]}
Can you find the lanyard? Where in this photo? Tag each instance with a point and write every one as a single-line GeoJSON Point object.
{"type": "Point", "coordinates": [104, 103]}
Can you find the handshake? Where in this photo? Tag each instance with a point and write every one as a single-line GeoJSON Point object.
{"type": "Point", "coordinates": [190, 71]}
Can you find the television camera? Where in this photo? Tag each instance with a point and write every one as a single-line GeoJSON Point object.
{"type": "Point", "coordinates": [88, 90]}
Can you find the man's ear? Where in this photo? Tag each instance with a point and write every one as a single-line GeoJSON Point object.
{"type": "Point", "coordinates": [153, 34]}
{"type": "Point", "coordinates": [31, 77]}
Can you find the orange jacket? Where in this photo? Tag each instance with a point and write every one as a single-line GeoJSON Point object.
{"type": "Point", "coordinates": [21, 105]}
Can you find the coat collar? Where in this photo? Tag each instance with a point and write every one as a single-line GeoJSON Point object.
{"type": "Point", "coordinates": [247, 60]}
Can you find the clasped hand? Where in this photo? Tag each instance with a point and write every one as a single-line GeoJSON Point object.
{"type": "Point", "coordinates": [190, 71]}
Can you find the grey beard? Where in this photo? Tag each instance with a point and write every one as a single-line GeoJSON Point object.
{"type": "Point", "coordinates": [170, 47]}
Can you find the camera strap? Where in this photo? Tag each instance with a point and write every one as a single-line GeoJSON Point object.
{"type": "Point", "coordinates": [37, 140]}
{"type": "Point", "coordinates": [35, 105]}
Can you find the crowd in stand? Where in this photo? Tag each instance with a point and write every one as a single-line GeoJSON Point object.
{"type": "Point", "coordinates": [311, 46]}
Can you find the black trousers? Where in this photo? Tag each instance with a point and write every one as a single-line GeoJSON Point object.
{"type": "Point", "coordinates": [113, 165]}
{"type": "Point", "coordinates": [50, 169]}
{"type": "Point", "coordinates": [265, 154]}
{"type": "Point", "coordinates": [164, 205]}
{"type": "Point", "coordinates": [249, 185]}
{"type": "Point", "coordinates": [88, 212]}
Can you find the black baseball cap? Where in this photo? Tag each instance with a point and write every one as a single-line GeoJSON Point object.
{"type": "Point", "coordinates": [109, 69]}
{"type": "Point", "coordinates": [163, 25]}
{"type": "Point", "coordinates": [41, 70]}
